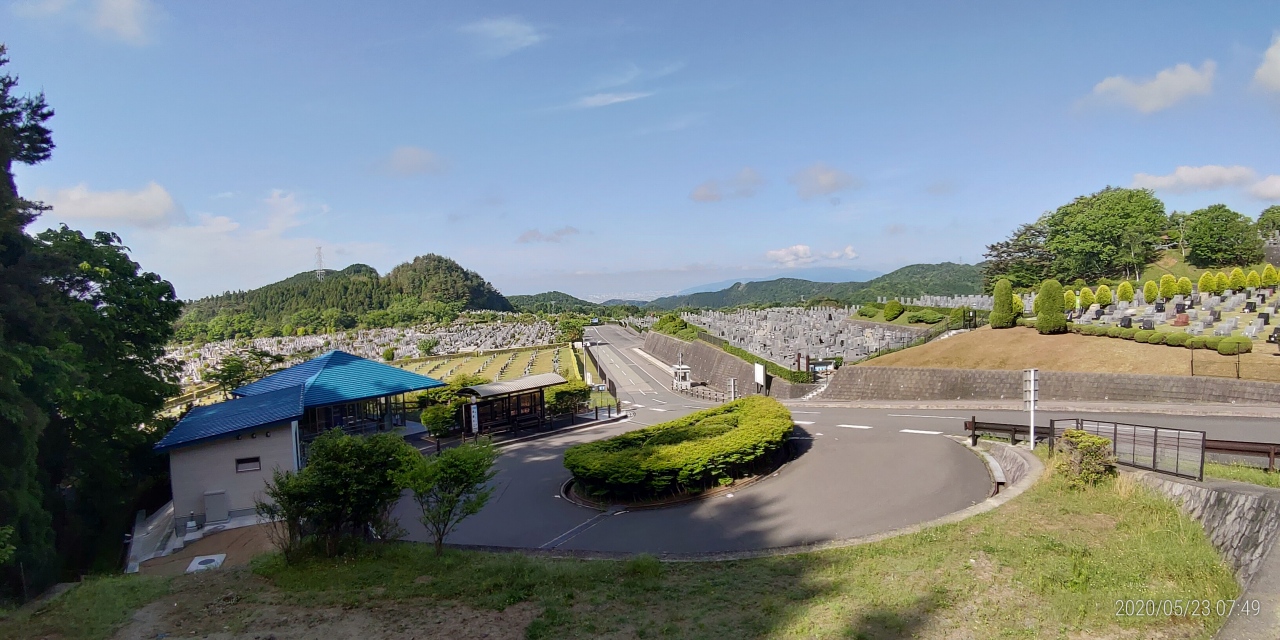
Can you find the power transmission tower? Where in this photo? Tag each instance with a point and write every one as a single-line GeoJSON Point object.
{"type": "Point", "coordinates": [320, 264]}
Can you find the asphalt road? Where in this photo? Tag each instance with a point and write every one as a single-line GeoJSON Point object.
{"type": "Point", "coordinates": [852, 478]}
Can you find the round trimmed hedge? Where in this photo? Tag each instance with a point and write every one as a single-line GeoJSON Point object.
{"type": "Point", "coordinates": [689, 454]}
{"type": "Point", "coordinates": [1230, 346]}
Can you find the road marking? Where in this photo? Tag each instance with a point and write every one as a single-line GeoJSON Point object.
{"type": "Point", "coordinates": [853, 426]}
{"type": "Point", "coordinates": [815, 412]}
{"type": "Point", "coordinates": [572, 533]}
{"type": "Point", "coordinates": [656, 409]}
{"type": "Point", "coordinates": [801, 422]}
{"type": "Point", "coordinates": [927, 433]}
{"type": "Point", "coordinates": [909, 415]}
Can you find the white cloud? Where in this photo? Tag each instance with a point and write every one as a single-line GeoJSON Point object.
{"type": "Point", "coordinates": [503, 36]}
{"type": "Point", "coordinates": [1268, 74]}
{"type": "Point", "coordinates": [414, 161]}
{"type": "Point", "coordinates": [821, 180]}
{"type": "Point", "coordinates": [1185, 179]}
{"type": "Point", "coordinates": [125, 20]}
{"type": "Point", "coordinates": [1266, 189]}
{"type": "Point", "coordinates": [846, 253]}
{"type": "Point", "coordinates": [150, 206]}
{"type": "Point", "coordinates": [1169, 87]}
{"type": "Point", "coordinates": [793, 256]}
{"type": "Point", "coordinates": [742, 185]}
{"type": "Point", "coordinates": [533, 235]}
{"type": "Point", "coordinates": [606, 99]}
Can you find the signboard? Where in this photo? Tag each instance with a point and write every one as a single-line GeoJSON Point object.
{"type": "Point", "coordinates": [759, 374]}
{"type": "Point", "coordinates": [475, 419]}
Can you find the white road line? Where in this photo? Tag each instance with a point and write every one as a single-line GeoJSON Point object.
{"type": "Point", "coordinates": [814, 412]}
{"type": "Point", "coordinates": [853, 426]}
{"type": "Point", "coordinates": [801, 422]}
{"type": "Point", "coordinates": [909, 415]}
{"type": "Point", "coordinates": [656, 409]}
{"type": "Point", "coordinates": [927, 433]}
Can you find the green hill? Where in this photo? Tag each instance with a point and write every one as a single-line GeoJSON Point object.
{"type": "Point", "coordinates": [430, 287]}
{"type": "Point", "coordinates": [551, 302]}
{"type": "Point", "coordinates": [947, 278]}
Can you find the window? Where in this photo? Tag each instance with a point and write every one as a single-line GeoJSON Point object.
{"type": "Point", "coordinates": [248, 464]}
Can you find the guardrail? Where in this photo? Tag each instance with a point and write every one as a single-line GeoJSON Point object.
{"type": "Point", "coordinates": [1241, 448]}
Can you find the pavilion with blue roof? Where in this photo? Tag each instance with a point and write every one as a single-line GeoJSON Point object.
{"type": "Point", "coordinates": [221, 455]}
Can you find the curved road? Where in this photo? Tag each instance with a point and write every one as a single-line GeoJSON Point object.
{"type": "Point", "coordinates": [852, 478]}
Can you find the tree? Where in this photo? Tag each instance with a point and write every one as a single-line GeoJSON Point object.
{"type": "Point", "coordinates": [566, 398]}
{"type": "Point", "coordinates": [1087, 298]}
{"type": "Point", "coordinates": [427, 346]}
{"type": "Point", "coordinates": [1253, 280]}
{"type": "Point", "coordinates": [571, 329]}
{"type": "Point", "coordinates": [1102, 295]}
{"type": "Point", "coordinates": [6, 549]}
{"type": "Point", "coordinates": [1237, 279]}
{"type": "Point", "coordinates": [389, 354]}
{"type": "Point", "coordinates": [1022, 259]}
{"type": "Point", "coordinates": [1219, 236]}
{"type": "Point", "coordinates": [1069, 300]}
{"type": "Point", "coordinates": [1124, 292]}
{"type": "Point", "coordinates": [1050, 318]}
{"type": "Point", "coordinates": [1184, 286]}
{"type": "Point", "coordinates": [892, 310]}
{"type": "Point", "coordinates": [1269, 221]}
{"type": "Point", "coordinates": [1002, 315]}
{"type": "Point", "coordinates": [1269, 276]}
{"type": "Point", "coordinates": [1206, 283]}
{"type": "Point", "coordinates": [231, 373]}
{"type": "Point", "coordinates": [1178, 231]}
{"type": "Point", "coordinates": [439, 419]}
{"type": "Point", "coordinates": [1221, 283]}
{"type": "Point", "coordinates": [1107, 233]}
{"type": "Point", "coordinates": [1168, 286]}
{"type": "Point", "coordinates": [1150, 291]}
{"type": "Point", "coordinates": [451, 486]}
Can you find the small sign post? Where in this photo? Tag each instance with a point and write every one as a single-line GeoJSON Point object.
{"type": "Point", "coordinates": [1031, 393]}
{"type": "Point", "coordinates": [475, 419]}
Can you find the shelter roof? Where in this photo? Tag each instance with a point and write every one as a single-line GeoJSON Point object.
{"type": "Point", "coordinates": [519, 385]}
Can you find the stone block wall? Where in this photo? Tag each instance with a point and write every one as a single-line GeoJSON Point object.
{"type": "Point", "coordinates": [910, 383]}
{"type": "Point", "coordinates": [1242, 521]}
{"type": "Point", "coordinates": [713, 366]}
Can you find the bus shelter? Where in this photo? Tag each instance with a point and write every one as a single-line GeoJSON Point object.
{"type": "Point", "coordinates": [509, 405]}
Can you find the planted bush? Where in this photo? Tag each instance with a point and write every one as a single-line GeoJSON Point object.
{"type": "Point", "coordinates": [1156, 338]}
{"type": "Point", "coordinates": [1237, 279]}
{"type": "Point", "coordinates": [868, 312]}
{"type": "Point", "coordinates": [1270, 277]}
{"type": "Point", "coordinates": [1206, 282]}
{"type": "Point", "coordinates": [1069, 299]}
{"type": "Point", "coordinates": [925, 316]}
{"type": "Point", "coordinates": [1211, 342]}
{"type": "Point", "coordinates": [1150, 291]}
{"type": "Point", "coordinates": [1103, 295]}
{"type": "Point", "coordinates": [1085, 459]}
{"type": "Point", "coordinates": [1177, 339]}
{"type": "Point", "coordinates": [1114, 332]}
{"type": "Point", "coordinates": [1221, 283]}
{"type": "Point", "coordinates": [1050, 319]}
{"type": "Point", "coordinates": [689, 454]}
{"type": "Point", "coordinates": [1086, 298]}
{"type": "Point", "coordinates": [1253, 280]}
{"type": "Point", "coordinates": [1128, 334]}
{"type": "Point", "coordinates": [892, 310]}
{"type": "Point", "coordinates": [1184, 286]}
{"type": "Point", "coordinates": [1230, 346]}
{"type": "Point", "coordinates": [1124, 292]}
{"type": "Point", "coordinates": [1196, 342]}
{"type": "Point", "coordinates": [1002, 315]}
{"type": "Point", "coordinates": [1168, 286]}
{"type": "Point", "coordinates": [1143, 335]}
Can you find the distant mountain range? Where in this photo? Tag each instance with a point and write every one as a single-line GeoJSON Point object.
{"type": "Point", "coordinates": [812, 274]}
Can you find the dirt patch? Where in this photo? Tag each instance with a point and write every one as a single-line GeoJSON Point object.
{"type": "Point", "coordinates": [240, 545]}
{"type": "Point", "coordinates": [234, 604]}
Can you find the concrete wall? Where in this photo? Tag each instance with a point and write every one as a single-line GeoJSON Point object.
{"type": "Point", "coordinates": [1242, 520]}
{"type": "Point", "coordinates": [211, 466]}
{"type": "Point", "coordinates": [908, 383]}
{"type": "Point", "coordinates": [714, 366]}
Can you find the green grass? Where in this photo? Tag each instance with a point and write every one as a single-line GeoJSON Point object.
{"type": "Point", "coordinates": [1172, 262]}
{"type": "Point", "coordinates": [1242, 473]}
{"type": "Point", "coordinates": [92, 609]}
{"type": "Point", "coordinates": [1048, 565]}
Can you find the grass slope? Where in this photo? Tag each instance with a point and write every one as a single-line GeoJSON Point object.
{"type": "Point", "coordinates": [1024, 348]}
{"type": "Point", "coordinates": [1172, 262]}
{"type": "Point", "coordinates": [1050, 564]}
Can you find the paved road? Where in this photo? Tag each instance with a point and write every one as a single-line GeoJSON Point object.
{"type": "Point", "coordinates": [848, 481]}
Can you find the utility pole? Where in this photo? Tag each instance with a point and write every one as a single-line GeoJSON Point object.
{"type": "Point", "coordinates": [320, 264]}
{"type": "Point", "coordinates": [1030, 393]}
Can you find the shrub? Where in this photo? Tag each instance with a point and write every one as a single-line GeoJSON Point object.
{"type": "Point", "coordinates": [1178, 339]}
{"type": "Point", "coordinates": [1196, 342]}
{"type": "Point", "coordinates": [451, 486]}
{"type": "Point", "coordinates": [1150, 291]}
{"type": "Point", "coordinates": [1114, 332]}
{"type": "Point", "coordinates": [673, 325]}
{"type": "Point", "coordinates": [1142, 335]}
{"type": "Point", "coordinates": [566, 398]}
{"type": "Point", "coordinates": [389, 354]}
{"type": "Point", "coordinates": [1129, 334]}
{"type": "Point", "coordinates": [1083, 458]}
{"type": "Point", "coordinates": [1211, 342]}
{"type": "Point", "coordinates": [892, 310]}
{"type": "Point", "coordinates": [1232, 345]}
{"type": "Point", "coordinates": [1002, 315]}
{"type": "Point", "coordinates": [1069, 299]}
{"type": "Point", "coordinates": [1253, 280]}
{"type": "Point", "coordinates": [1086, 298]}
{"type": "Point", "coordinates": [1184, 286]}
{"type": "Point", "coordinates": [868, 312]}
{"type": "Point", "coordinates": [925, 316]}
{"type": "Point", "coordinates": [1050, 319]}
{"type": "Point", "coordinates": [1206, 282]}
{"type": "Point", "coordinates": [1221, 283]}
{"type": "Point", "coordinates": [1156, 338]}
{"type": "Point", "coordinates": [1103, 295]}
{"type": "Point", "coordinates": [1168, 286]}
{"type": "Point", "coordinates": [1237, 279]}
{"type": "Point", "coordinates": [652, 462]}
{"type": "Point", "coordinates": [1269, 276]}
{"type": "Point", "coordinates": [1124, 292]}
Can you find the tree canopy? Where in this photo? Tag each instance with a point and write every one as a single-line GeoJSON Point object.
{"type": "Point", "coordinates": [1108, 233]}
{"type": "Point", "coordinates": [1219, 236]}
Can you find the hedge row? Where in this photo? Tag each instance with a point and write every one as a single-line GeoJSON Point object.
{"type": "Point", "coordinates": [776, 370]}
{"type": "Point", "coordinates": [692, 453]}
{"type": "Point", "coordinates": [1225, 345]}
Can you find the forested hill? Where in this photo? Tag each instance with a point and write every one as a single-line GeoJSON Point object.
{"type": "Point", "coordinates": [552, 301]}
{"type": "Point", "coordinates": [429, 287]}
{"type": "Point", "coordinates": [947, 278]}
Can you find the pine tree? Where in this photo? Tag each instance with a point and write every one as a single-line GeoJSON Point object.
{"type": "Point", "coordinates": [1269, 276]}
{"type": "Point", "coordinates": [1050, 319]}
{"type": "Point", "coordinates": [1124, 292]}
{"type": "Point", "coordinates": [1086, 298]}
{"type": "Point", "coordinates": [1069, 300]}
{"type": "Point", "coordinates": [1184, 286]}
{"type": "Point", "coordinates": [1253, 280]}
{"type": "Point", "coordinates": [1103, 295]}
{"type": "Point", "coordinates": [1221, 283]}
{"type": "Point", "coordinates": [1002, 315]}
{"type": "Point", "coordinates": [1237, 279]}
{"type": "Point", "coordinates": [1150, 291]}
{"type": "Point", "coordinates": [1206, 283]}
{"type": "Point", "coordinates": [1168, 286]}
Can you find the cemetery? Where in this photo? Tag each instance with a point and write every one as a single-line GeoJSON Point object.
{"type": "Point", "coordinates": [505, 364]}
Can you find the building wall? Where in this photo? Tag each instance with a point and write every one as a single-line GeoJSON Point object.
{"type": "Point", "coordinates": [714, 366]}
{"type": "Point", "coordinates": [211, 466]}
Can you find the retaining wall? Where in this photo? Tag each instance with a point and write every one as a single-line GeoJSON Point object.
{"type": "Point", "coordinates": [714, 366]}
{"type": "Point", "coordinates": [910, 383]}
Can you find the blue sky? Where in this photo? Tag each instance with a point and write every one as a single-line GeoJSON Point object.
{"type": "Point", "coordinates": [615, 149]}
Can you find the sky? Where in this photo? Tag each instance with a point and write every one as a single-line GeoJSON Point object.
{"type": "Point", "coordinates": [628, 149]}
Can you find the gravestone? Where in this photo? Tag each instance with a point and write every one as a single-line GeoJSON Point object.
{"type": "Point", "coordinates": [1179, 307]}
{"type": "Point", "coordinates": [1250, 307]}
{"type": "Point", "coordinates": [1265, 318]}
{"type": "Point", "coordinates": [1126, 322]}
{"type": "Point", "coordinates": [1181, 320]}
{"type": "Point", "coordinates": [1159, 307]}
{"type": "Point", "coordinates": [1215, 315]}
{"type": "Point", "coordinates": [1148, 325]}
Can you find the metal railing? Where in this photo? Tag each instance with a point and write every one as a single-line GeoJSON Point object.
{"type": "Point", "coordinates": [1177, 452]}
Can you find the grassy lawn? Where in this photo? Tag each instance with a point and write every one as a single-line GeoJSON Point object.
{"type": "Point", "coordinates": [1050, 564]}
{"type": "Point", "coordinates": [1171, 262]}
{"type": "Point", "coordinates": [94, 608]}
{"type": "Point", "coordinates": [1242, 473]}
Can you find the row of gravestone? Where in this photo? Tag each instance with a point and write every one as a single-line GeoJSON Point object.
{"type": "Point", "coordinates": [779, 334]}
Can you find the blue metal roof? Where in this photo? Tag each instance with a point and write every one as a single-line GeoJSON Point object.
{"type": "Point", "coordinates": [332, 378]}
{"type": "Point", "coordinates": [337, 377]}
{"type": "Point", "coordinates": [225, 418]}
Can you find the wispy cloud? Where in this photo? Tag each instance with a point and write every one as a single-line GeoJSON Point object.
{"type": "Point", "coordinates": [1203, 178]}
{"type": "Point", "coordinates": [1169, 87]}
{"type": "Point", "coordinates": [148, 207]}
{"type": "Point", "coordinates": [742, 185]}
{"type": "Point", "coordinates": [1267, 188]}
{"type": "Point", "coordinates": [414, 161]}
{"type": "Point", "coordinates": [820, 179]}
{"type": "Point", "coordinates": [128, 21]}
{"type": "Point", "coordinates": [793, 256]}
{"type": "Point", "coordinates": [533, 235]}
{"type": "Point", "coordinates": [606, 99]}
{"type": "Point", "coordinates": [1268, 74]}
{"type": "Point", "coordinates": [499, 37]}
